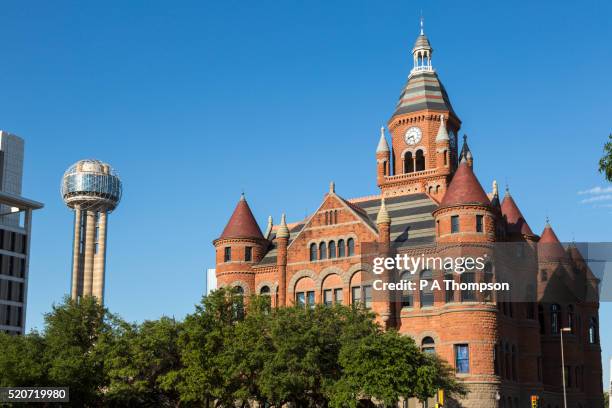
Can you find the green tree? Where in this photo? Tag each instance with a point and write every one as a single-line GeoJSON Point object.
{"type": "Point", "coordinates": [203, 379]}
{"type": "Point", "coordinates": [72, 332]}
{"type": "Point", "coordinates": [140, 362]}
{"type": "Point", "coordinates": [21, 360]}
{"type": "Point", "coordinates": [306, 344]}
{"type": "Point", "coordinates": [385, 367]}
{"type": "Point", "coordinates": [605, 163]}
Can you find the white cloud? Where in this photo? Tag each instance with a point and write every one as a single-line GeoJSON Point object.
{"type": "Point", "coordinates": [604, 197]}
{"type": "Point", "coordinates": [597, 190]}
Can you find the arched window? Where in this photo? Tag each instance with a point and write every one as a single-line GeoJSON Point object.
{"type": "Point", "coordinates": [407, 296]}
{"type": "Point", "coordinates": [313, 252]}
{"type": "Point", "coordinates": [445, 157]}
{"type": "Point", "coordinates": [384, 163]}
{"type": "Point", "coordinates": [468, 295]}
{"type": "Point", "coordinates": [265, 290]}
{"type": "Point", "coordinates": [341, 248]}
{"type": "Point", "coordinates": [593, 334]}
{"type": "Point", "coordinates": [426, 294]}
{"type": "Point", "coordinates": [322, 250]}
{"type": "Point", "coordinates": [332, 249]}
{"type": "Point", "coordinates": [555, 318]}
{"type": "Point", "coordinates": [419, 161]}
{"type": "Point", "coordinates": [570, 318]}
{"type": "Point", "coordinates": [350, 246]}
{"type": "Point", "coordinates": [428, 345]}
{"type": "Point", "coordinates": [408, 163]}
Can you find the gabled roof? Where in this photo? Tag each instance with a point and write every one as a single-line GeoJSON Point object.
{"type": "Point", "coordinates": [242, 223]}
{"type": "Point", "coordinates": [464, 189]}
{"type": "Point", "coordinates": [516, 222]}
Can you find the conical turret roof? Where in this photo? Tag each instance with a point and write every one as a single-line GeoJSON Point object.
{"type": "Point", "coordinates": [464, 189]}
{"type": "Point", "coordinates": [516, 222]}
{"type": "Point", "coordinates": [242, 223]}
{"type": "Point", "coordinates": [549, 246]}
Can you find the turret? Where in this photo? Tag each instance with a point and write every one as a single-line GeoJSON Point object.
{"type": "Point", "coordinates": [282, 241]}
{"type": "Point", "coordinates": [383, 155]}
{"type": "Point", "coordinates": [465, 213]}
{"type": "Point", "coordinates": [240, 245]}
{"type": "Point", "coordinates": [466, 153]}
{"type": "Point", "coordinates": [442, 145]}
{"type": "Point", "coordinates": [517, 227]}
{"type": "Point", "coordinates": [383, 307]}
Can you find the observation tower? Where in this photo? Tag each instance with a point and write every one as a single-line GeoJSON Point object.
{"type": "Point", "coordinates": [93, 190]}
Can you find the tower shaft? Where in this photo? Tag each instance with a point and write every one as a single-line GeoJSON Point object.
{"type": "Point", "coordinates": [89, 254]}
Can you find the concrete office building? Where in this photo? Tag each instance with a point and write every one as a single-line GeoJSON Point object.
{"type": "Point", "coordinates": [15, 231]}
{"type": "Point", "coordinates": [92, 189]}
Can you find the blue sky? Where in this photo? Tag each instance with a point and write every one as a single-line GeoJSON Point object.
{"type": "Point", "coordinates": [193, 102]}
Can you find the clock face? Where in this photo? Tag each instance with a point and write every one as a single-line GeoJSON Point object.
{"type": "Point", "coordinates": [413, 135]}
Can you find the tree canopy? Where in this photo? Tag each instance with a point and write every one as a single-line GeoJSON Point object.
{"type": "Point", "coordinates": [605, 163]}
{"type": "Point", "coordinates": [228, 352]}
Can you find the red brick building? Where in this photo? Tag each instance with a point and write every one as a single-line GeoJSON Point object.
{"type": "Point", "coordinates": [506, 349]}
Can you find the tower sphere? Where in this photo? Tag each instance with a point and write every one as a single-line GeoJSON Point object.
{"type": "Point", "coordinates": [91, 185]}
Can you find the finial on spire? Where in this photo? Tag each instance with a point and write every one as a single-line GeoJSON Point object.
{"type": "Point", "coordinates": [422, 23]}
{"type": "Point", "coordinates": [282, 231]}
{"type": "Point", "coordinates": [269, 227]}
{"type": "Point", "coordinates": [383, 214]}
{"type": "Point", "coordinates": [332, 187]}
{"type": "Point", "coordinates": [495, 188]}
{"type": "Point", "coordinates": [442, 135]}
{"type": "Point", "coordinates": [507, 190]}
{"type": "Point", "coordinates": [547, 221]}
{"type": "Point", "coordinates": [242, 198]}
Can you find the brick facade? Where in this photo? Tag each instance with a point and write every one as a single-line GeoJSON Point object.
{"type": "Point", "coordinates": [513, 348]}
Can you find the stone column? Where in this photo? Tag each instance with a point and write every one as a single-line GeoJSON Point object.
{"type": "Point", "coordinates": [100, 259]}
{"type": "Point", "coordinates": [77, 278]}
{"type": "Point", "coordinates": [90, 228]}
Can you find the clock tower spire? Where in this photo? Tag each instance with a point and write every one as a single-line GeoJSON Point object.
{"type": "Point", "coordinates": [423, 131]}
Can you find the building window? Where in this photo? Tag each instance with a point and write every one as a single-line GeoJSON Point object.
{"type": "Point", "coordinates": [428, 345]}
{"type": "Point", "coordinates": [408, 163]}
{"type": "Point", "coordinates": [495, 360]}
{"type": "Point", "coordinates": [407, 299]}
{"type": "Point", "coordinates": [350, 244]}
{"type": "Point", "coordinates": [341, 248]}
{"type": "Point", "coordinates": [488, 278]}
{"type": "Point", "coordinates": [367, 296]}
{"type": "Point", "coordinates": [313, 252]}
{"type": "Point", "coordinates": [567, 372]}
{"type": "Point", "coordinates": [555, 318]}
{"type": "Point", "coordinates": [468, 295]}
{"type": "Point", "coordinates": [328, 299]}
{"type": "Point", "coordinates": [332, 249]}
{"type": "Point", "coordinates": [300, 298]}
{"type": "Point", "coordinates": [355, 295]}
{"type": "Point", "coordinates": [419, 161]}
{"type": "Point", "coordinates": [593, 335]}
{"type": "Point", "coordinates": [248, 253]}
{"type": "Point", "coordinates": [462, 358]}
{"type": "Point", "coordinates": [265, 291]}
{"type": "Point", "coordinates": [322, 250]}
{"type": "Point", "coordinates": [384, 164]}
{"type": "Point", "coordinates": [305, 299]}
{"type": "Point", "coordinates": [310, 299]}
{"type": "Point", "coordinates": [454, 224]}
{"type": "Point", "coordinates": [227, 255]}
{"type": "Point", "coordinates": [426, 294]}
{"type": "Point", "coordinates": [338, 296]}
{"type": "Point", "coordinates": [479, 220]}
{"type": "Point", "coordinates": [445, 157]}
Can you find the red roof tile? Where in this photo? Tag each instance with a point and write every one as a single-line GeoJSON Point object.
{"type": "Point", "coordinates": [549, 246]}
{"type": "Point", "coordinates": [516, 221]}
{"type": "Point", "coordinates": [242, 224]}
{"type": "Point", "coordinates": [464, 189]}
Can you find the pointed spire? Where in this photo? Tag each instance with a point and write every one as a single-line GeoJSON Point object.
{"type": "Point", "coordinates": [383, 215]}
{"type": "Point", "coordinates": [495, 195]}
{"type": "Point", "coordinates": [549, 246]}
{"type": "Point", "coordinates": [422, 21]}
{"type": "Point", "coordinates": [332, 187]}
{"type": "Point", "coordinates": [383, 147]}
{"type": "Point", "coordinates": [466, 153]}
{"type": "Point", "coordinates": [516, 222]}
{"type": "Point", "coordinates": [282, 230]}
{"type": "Point", "coordinates": [442, 135]}
{"type": "Point", "coordinates": [242, 223]}
{"type": "Point", "coordinates": [464, 189]}
{"type": "Point", "coordinates": [269, 227]}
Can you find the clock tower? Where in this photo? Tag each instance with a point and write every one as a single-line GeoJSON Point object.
{"type": "Point", "coordinates": [424, 127]}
